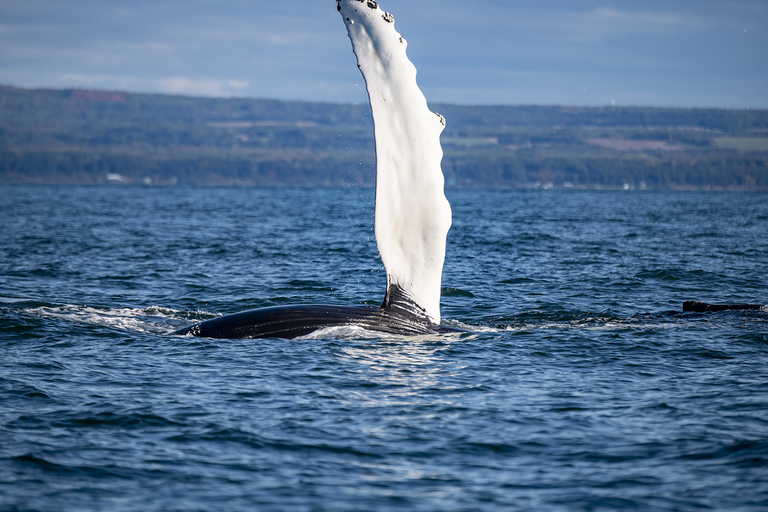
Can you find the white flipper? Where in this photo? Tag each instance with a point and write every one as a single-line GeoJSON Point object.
{"type": "Point", "coordinates": [412, 214]}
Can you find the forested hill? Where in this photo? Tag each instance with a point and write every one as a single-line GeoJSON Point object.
{"type": "Point", "coordinates": [81, 136]}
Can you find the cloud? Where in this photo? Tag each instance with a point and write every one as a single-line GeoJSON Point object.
{"type": "Point", "coordinates": [501, 51]}
{"type": "Point", "coordinates": [238, 84]}
{"type": "Point", "coordinates": [169, 85]}
{"type": "Point", "coordinates": [194, 87]}
{"type": "Point", "coordinates": [645, 18]}
{"type": "Point", "coordinates": [604, 23]}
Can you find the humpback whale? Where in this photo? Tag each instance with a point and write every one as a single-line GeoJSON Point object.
{"type": "Point", "coordinates": [412, 215]}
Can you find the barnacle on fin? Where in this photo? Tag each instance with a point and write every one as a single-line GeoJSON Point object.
{"type": "Point", "coordinates": [388, 17]}
{"type": "Point", "coordinates": [372, 4]}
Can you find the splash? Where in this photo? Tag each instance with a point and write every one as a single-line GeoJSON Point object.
{"type": "Point", "coordinates": [151, 320]}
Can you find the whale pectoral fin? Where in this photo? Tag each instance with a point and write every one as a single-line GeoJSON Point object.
{"type": "Point", "coordinates": [412, 215]}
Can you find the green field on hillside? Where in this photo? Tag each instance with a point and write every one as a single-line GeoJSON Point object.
{"type": "Point", "coordinates": [78, 136]}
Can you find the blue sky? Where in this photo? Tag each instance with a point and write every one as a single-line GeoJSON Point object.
{"type": "Point", "coordinates": [680, 53]}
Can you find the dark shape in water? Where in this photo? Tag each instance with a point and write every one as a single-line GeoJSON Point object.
{"type": "Point", "coordinates": [703, 307]}
{"type": "Point", "coordinates": [301, 320]}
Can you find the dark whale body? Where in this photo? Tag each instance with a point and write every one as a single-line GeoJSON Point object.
{"type": "Point", "coordinates": [397, 315]}
{"type": "Point", "coordinates": [295, 321]}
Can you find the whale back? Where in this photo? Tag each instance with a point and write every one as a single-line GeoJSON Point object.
{"type": "Point", "coordinates": [412, 216]}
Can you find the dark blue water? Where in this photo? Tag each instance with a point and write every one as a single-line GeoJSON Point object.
{"type": "Point", "coordinates": [578, 389]}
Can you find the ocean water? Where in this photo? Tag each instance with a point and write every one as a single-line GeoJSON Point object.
{"type": "Point", "coordinates": [579, 386]}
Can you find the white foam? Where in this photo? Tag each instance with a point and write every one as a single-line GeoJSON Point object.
{"type": "Point", "coordinates": [591, 324]}
{"type": "Point", "coordinates": [341, 332]}
{"type": "Point", "coordinates": [412, 213]}
{"type": "Point", "coordinates": [353, 332]}
{"type": "Point", "coordinates": [152, 320]}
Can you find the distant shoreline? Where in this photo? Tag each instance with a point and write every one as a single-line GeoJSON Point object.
{"type": "Point", "coordinates": [77, 136]}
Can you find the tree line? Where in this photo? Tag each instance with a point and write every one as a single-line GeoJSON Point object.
{"type": "Point", "coordinates": [77, 136]}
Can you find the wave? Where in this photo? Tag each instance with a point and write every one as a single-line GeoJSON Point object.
{"type": "Point", "coordinates": [577, 320]}
{"type": "Point", "coordinates": [160, 320]}
{"type": "Point", "coordinates": [150, 320]}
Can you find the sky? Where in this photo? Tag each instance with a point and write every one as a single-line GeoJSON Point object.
{"type": "Point", "coordinates": [671, 53]}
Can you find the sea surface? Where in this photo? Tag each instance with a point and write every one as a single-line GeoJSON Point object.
{"type": "Point", "coordinates": [579, 384]}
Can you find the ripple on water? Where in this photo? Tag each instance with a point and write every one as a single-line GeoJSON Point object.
{"type": "Point", "coordinates": [578, 386]}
